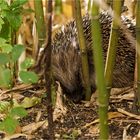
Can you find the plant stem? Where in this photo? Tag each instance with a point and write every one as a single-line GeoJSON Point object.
{"type": "Point", "coordinates": [113, 43]}
{"type": "Point", "coordinates": [82, 42]}
{"type": "Point", "coordinates": [99, 70]}
{"type": "Point", "coordinates": [137, 49]}
{"type": "Point", "coordinates": [48, 73]}
{"type": "Point", "coordinates": [41, 26]}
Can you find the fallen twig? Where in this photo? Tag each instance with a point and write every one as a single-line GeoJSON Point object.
{"type": "Point", "coordinates": [128, 114]}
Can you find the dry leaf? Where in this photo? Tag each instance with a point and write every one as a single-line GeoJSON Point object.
{"type": "Point", "coordinates": [30, 128]}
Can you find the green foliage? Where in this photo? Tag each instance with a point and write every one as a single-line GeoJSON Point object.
{"type": "Point", "coordinates": [10, 122]}
{"type": "Point", "coordinates": [30, 102]}
{"type": "Point", "coordinates": [10, 21]}
{"type": "Point", "coordinates": [14, 111]}
{"type": "Point", "coordinates": [9, 12]}
{"type": "Point", "coordinates": [28, 77]}
{"type": "Point", "coordinates": [2, 41]}
{"type": "Point", "coordinates": [11, 16]}
{"type": "Point", "coordinates": [27, 63]}
{"type": "Point", "coordinates": [6, 48]}
{"type": "Point", "coordinates": [3, 7]}
{"type": "Point", "coordinates": [9, 54]}
{"type": "Point", "coordinates": [5, 77]}
{"type": "Point", "coordinates": [4, 106]}
{"type": "Point", "coordinates": [4, 58]}
{"type": "Point", "coordinates": [18, 112]}
{"type": "Point", "coordinates": [17, 5]}
{"type": "Point", "coordinates": [17, 51]}
{"type": "Point", "coordinates": [1, 23]}
{"type": "Point", "coordinates": [5, 30]}
{"type": "Point", "coordinates": [15, 22]}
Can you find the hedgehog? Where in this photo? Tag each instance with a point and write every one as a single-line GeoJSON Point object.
{"type": "Point", "coordinates": [66, 56]}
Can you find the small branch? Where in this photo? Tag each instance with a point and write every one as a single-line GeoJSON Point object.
{"type": "Point", "coordinates": [19, 88]}
{"type": "Point", "coordinates": [128, 114]}
{"type": "Point", "coordinates": [47, 72]}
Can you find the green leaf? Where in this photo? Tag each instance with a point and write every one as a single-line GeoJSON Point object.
{"type": "Point", "coordinates": [28, 77]}
{"type": "Point", "coordinates": [30, 102]}
{"type": "Point", "coordinates": [1, 23]}
{"type": "Point", "coordinates": [17, 3]}
{"type": "Point", "coordinates": [27, 63]}
{"type": "Point", "coordinates": [14, 19]}
{"type": "Point", "coordinates": [5, 32]}
{"type": "Point", "coordinates": [4, 58]}
{"type": "Point", "coordinates": [2, 41]}
{"type": "Point", "coordinates": [3, 5]}
{"type": "Point", "coordinates": [18, 111]}
{"type": "Point", "coordinates": [9, 125]}
{"type": "Point", "coordinates": [4, 106]}
{"type": "Point", "coordinates": [6, 48]}
{"type": "Point", "coordinates": [5, 78]}
{"type": "Point", "coordinates": [17, 51]}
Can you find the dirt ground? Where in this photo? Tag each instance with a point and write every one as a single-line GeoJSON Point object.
{"type": "Point", "coordinates": [80, 121]}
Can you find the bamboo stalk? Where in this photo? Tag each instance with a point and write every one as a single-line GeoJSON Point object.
{"type": "Point", "coordinates": [82, 42]}
{"type": "Point", "coordinates": [99, 70]}
{"type": "Point", "coordinates": [113, 42]}
{"type": "Point", "coordinates": [41, 26]}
